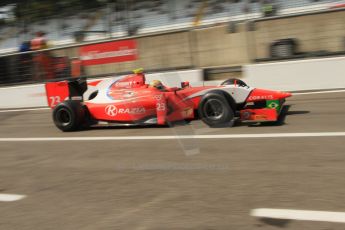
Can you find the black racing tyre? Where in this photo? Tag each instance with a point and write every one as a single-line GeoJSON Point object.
{"type": "Point", "coordinates": [69, 116]}
{"type": "Point", "coordinates": [216, 111]}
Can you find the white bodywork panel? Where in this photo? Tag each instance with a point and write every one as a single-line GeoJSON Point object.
{"type": "Point", "coordinates": [238, 93]}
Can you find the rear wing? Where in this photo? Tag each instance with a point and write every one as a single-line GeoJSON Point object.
{"type": "Point", "coordinates": [58, 92]}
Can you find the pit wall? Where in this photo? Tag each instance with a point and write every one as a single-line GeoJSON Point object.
{"type": "Point", "coordinates": [313, 74]}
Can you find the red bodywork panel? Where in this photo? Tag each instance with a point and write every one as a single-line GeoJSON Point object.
{"type": "Point", "coordinates": [56, 92]}
{"type": "Point", "coordinates": [142, 103]}
{"type": "Point", "coordinates": [257, 115]}
{"type": "Point", "coordinates": [262, 114]}
{"type": "Point", "coordinates": [131, 100]}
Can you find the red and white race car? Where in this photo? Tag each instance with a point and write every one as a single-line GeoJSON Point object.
{"type": "Point", "coordinates": [128, 100]}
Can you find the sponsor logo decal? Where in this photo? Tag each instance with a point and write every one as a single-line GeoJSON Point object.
{"type": "Point", "coordinates": [108, 52]}
{"type": "Point", "coordinates": [273, 104]}
{"type": "Point", "coordinates": [260, 117]}
{"type": "Point", "coordinates": [264, 97]}
{"type": "Point", "coordinates": [187, 112]}
{"type": "Point", "coordinates": [128, 94]}
{"type": "Point", "coordinates": [112, 110]}
{"type": "Point", "coordinates": [124, 84]}
{"type": "Point", "coordinates": [111, 54]}
{"type": "Point", "coordinates": [121, 95]}
{"type": "Point", "coordinates": [158, 97]}
{"type": "Point", "coordinates": [139, 110]}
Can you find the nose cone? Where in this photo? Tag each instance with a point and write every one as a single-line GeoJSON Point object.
{"type": "Point", "coordinates": [285, 94]}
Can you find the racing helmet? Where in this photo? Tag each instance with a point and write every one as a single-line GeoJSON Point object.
{"type": "Point", "coordinates": [138, 71]}
{"type": "Point", "coordinates": [156, 84]}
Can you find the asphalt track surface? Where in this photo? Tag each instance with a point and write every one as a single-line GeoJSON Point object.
{"type": "Point", "coordinates": [174, 184]}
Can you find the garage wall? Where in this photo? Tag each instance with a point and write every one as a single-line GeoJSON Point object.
{"type": "Point", "coordinates": [314, 32]}
{"type": "Point", "coordinates": [218, 46]}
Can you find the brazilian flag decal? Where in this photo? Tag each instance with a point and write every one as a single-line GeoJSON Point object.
{"type": "Point", "coordinates": [273, 104]}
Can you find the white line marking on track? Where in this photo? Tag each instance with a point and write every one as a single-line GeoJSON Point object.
{"type": "Point", "coordinates": [220, 136]}
{"type": "Point", "coordinates": [319, 92]}
{"type": "Point", "coordinates": [125, 214]}
{"type": "Point", "coordinates": [11, 197]}
{"type": "Point", "coordinates": [291, 214]}
{"type": "Point", "coordinates": [22, 110]}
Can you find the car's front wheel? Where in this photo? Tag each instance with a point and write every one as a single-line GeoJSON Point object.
{"type": "Point", "coordinates": [215, 111]}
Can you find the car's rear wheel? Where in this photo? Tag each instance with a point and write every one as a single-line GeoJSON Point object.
{"type": "Point", "coordinates": [69, 116]}
{"type": "Point", "coordinates": [215, 111]}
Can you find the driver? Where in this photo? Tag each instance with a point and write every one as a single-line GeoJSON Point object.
{"type": "Point", "coordinates": [157, 84]}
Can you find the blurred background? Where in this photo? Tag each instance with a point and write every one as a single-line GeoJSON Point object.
{"type": "Point", "coordinates": [175, 34]}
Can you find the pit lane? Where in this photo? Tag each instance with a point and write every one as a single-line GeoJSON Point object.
{"type": "Point", "coordinates": [174, 184]}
